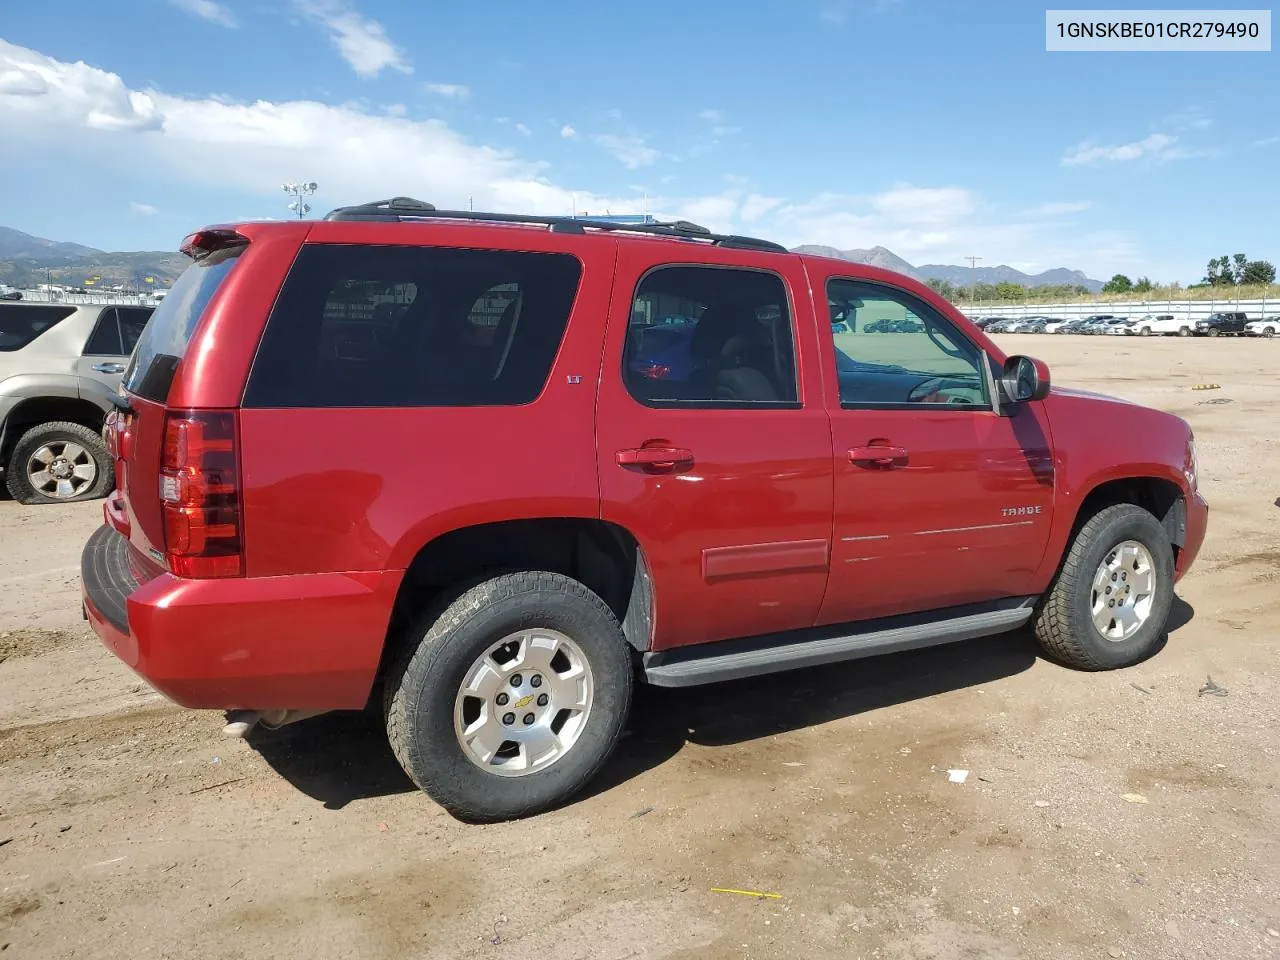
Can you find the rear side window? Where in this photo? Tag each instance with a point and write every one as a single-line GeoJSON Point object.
{"type": "Point", "coordinates": [367, 326]}
{"type": "Point", "coordinates": [22, 323]}
{"type": "Point", "coordinates": [164, 339]}
{"type": "Point", "coordinates": [711, 336]}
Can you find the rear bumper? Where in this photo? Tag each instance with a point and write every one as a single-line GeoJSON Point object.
{"type": "Point", "coordinates": [312, 641]}
{"type": "Point", "coordinates": [1197, 524]}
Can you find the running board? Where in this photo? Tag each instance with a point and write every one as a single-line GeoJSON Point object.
{"type": "Point", "coordinates": [734, 659]}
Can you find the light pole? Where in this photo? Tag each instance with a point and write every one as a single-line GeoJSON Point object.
{"type": "Point", "coordinates": [300, 190]}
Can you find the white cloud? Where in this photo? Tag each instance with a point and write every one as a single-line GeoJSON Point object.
{"type": "Point", "coordinates": [711, 116]}
{"type": "Point", "coordinates": [756, 206]}
{"type": "Point", "coordinates": [209, 10]}
{"type": "Point", "coordinates": [924, 205]}
{"type": "Point", "coordinates": [1266, 141]}
{"type": "Point", "coordinates": [628, 149]}
{"type": "Point", "coordinates": [1158, 148]}
{"type": "Point", "coordinates": [53, 109]}
{"type": "Point", "coordinates": [524, 129]}
{"type": "Point", "coordinates": [451, 91]}
{"type": "Point", "coordinates": [568, 132]}
{"type": "Point", "coordinates": [362, 42]}
{"type": "Point", "coordinates": [145, 209]}
{"type": "Point", "coordinates": [1058, 209]}
{"type": "Point", "coordinates": [395, 110]}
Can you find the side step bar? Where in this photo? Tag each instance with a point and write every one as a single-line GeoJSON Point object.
{"type": "Point", "coordinates": [770, 653]}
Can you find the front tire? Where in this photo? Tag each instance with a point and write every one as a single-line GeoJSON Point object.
{"type": "Point", "coordinates": [1184, 331]}
{"type": "Point", "coordinates": [59, 462]}
{"type": "Point", "coordinates": [513, 697]}
{"type": "Point", "coordinates": [1109, 605]}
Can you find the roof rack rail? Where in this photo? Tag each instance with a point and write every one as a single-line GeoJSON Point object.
{"type": "Point", "coordinates": [409, 209]}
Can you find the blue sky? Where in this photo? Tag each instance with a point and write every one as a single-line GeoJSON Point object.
{"type": "Point", "coordinates": [937, 128]}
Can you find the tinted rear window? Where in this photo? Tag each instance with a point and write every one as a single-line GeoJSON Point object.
{"type": "Point", "coordinates": [164, 339]}
{"type": "Point", "coordinates": [362, 326]}
{"type": "Point", "coordinates": [22, 323]}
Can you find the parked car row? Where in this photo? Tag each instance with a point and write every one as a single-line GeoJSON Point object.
{"type": "Point", "coordinates": [1150, 325]}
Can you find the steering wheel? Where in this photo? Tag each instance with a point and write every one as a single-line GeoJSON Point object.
{"type": "Point", "coordinates": [954, 352]}
{"type": "Point", "coordinates": [934, 387]}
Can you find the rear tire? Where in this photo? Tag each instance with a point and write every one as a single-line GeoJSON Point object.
{"type": "Point", "coordinates": [1184, 331]}
{"type": "Point", "coordinates": [455, 665]}
{"type": "Point", "coordinates": [59, 462]}
{"type": "Point", "coordinates": [1065, 623]}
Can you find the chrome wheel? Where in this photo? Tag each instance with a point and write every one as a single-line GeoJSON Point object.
{"type": "Point", "coordinates": [524, 703]}
{"type": "Point", "coordinates": [61, 469]}
{"type": "Point", "coordinates": [1123, 591]}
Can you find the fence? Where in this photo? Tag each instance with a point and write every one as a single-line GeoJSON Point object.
{"type": "Point", "coordinates": [118, 299]}
{"type": "Point", "coordinates": [1182, 309]}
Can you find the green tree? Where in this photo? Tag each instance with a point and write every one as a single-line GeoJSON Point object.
{"type": "Point", "coordinates": [1218, 273]}
{"type": "Point", "coordinates": [1118, 284]}
{"type": "Point", "coordinates": [1010, 291]}
{"type": "Point", "coordinates": [943, 288]}
{"type": "Point", "coordinates": [1143, 285]}
{"type": "Point", "coordinates": [1258, 271]}
{"type": "Point", "coordinates": [1238, 263]}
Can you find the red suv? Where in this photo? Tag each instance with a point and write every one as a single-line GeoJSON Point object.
{"type": "Point", "coordinates": [442, 457]}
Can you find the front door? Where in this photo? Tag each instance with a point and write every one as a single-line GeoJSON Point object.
{"type": "Point", "coordinates": [713, 451]}
{"type": "Point", "coordinates": [939, 500]}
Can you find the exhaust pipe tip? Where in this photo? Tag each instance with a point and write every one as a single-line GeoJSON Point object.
{"type": "Point", "coordinates": [240, 722]}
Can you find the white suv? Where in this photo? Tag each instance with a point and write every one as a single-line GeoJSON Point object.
{"type": "Point", "coordinates": [1267, 327]}
{"type": "Point", "coordinates": [1162, 325]}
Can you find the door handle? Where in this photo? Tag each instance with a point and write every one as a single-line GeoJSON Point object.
{"type": "Point", "coordinates": [879, 454]}
{"type": "Point", "coordinates": [109, 367]}
{"type": "Point", "coordinates": [655, 458]}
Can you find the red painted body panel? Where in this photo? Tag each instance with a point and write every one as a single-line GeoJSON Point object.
{"type": "Point", "coordinates": [366, 489]}
{"type": "Point", "coordinates": [961, 518]}
{"type": "Point", "coordinates": [760, 480]}
{"type": "Point", "coordinates": [769, 527]}
{"type": "Point", "coordinates": [305, 642]}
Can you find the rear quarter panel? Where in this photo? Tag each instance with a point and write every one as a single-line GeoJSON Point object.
{"type": "Point", "coordinates": [364, 489]}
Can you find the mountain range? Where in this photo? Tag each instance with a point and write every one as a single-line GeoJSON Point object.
{"type": "Point", "coordinates": [959, 276]}
{"type": "Point", "coordinates": [26, 260]}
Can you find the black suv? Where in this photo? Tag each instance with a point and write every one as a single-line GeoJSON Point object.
{"type": "Point", "coordinates": [1218, 324]}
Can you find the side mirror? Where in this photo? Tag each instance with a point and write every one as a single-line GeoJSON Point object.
{"type": "Point", "coordinates": [1023, 379]}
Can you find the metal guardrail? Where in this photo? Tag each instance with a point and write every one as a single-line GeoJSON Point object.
{"type": "Point", "coordinates": [118, 299]}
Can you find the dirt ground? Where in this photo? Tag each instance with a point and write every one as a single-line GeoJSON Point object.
{"type": "Point", "coordinates": [129, 828]}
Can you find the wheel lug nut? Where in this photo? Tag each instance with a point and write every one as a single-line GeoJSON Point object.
{"type": "Point", "coordinates": [1115, 577]}
{"type": "Point", "coordinates": [508, 719]}
{"type": "Point", "coordinates": [542, 700]}
{"type": "Point", "coordinates": [528, 719]}
{"type": "Point", "coordinates": [1108, 589]}
{"type": "Point", "coordinates": [535, 681]}
{"type": "Point", "coordinates": [1111, 603]}
{"type": "Point", "coordinates": [502, 699]}
{"type": "Point", "coordinates": [516, 679]}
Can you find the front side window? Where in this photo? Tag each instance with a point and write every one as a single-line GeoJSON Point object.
{"type": "Point", "coordinates": [370, 326]}
{"type": "Point", "coordinates": [708, 336]}
{"type": "Point", "coordinates": [893, 350]}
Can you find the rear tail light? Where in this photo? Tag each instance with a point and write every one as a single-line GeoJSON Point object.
{"type": "Point", "coordinates": [200, 494]}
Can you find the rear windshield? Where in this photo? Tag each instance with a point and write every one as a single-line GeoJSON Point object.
{"type": "Point", "coordinates": [164, 339]}
{"type": "Point", "coordinates": [367, 326]}
{"type": "Point", "coordinates": [22, 323]}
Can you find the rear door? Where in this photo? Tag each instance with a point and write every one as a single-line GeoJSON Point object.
{"type": "Point", "coordinates": [107, 350]}
{"type": "Point", "coordinates": [714, 446]}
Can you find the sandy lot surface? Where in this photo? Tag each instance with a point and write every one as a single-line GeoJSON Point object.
{"type": "Point", "coordinates": [129, 828]}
